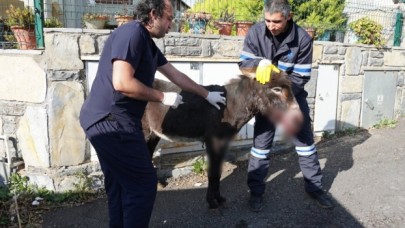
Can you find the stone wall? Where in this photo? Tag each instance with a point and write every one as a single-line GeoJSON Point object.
{"type": "Point", "coordinates": [41, 93]}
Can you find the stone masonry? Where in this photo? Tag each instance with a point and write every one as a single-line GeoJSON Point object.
{"type": "Point", "coordinates": [41, 93]}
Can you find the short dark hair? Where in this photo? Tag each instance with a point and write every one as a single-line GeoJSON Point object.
{"type": "Point", "coordinates": [144, 7]}
{"type": "Point", "coordinates": [278, 6]}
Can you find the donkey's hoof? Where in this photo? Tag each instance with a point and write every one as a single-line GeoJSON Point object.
{"type": "Point", "coordinates": [222, 202]}
{"type": "Point", "coordinates": [215, 212]}
{"type": "Point", "coordinates": [213, 205]}
{"type": "Point", "coordinates": [224, 205]}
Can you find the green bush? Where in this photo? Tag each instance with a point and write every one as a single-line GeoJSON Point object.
{"type": "Point", "coordinates": [368, 31]}
{"type": "Point", "coordinates": [249, 10]}
{"type": "Point", "coordinates": [321, 15]}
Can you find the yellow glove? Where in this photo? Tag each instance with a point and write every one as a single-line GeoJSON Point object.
{"type": "Point", "coordinates": [264, 70]}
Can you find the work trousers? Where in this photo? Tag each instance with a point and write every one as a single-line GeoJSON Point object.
{"type": "Point", "coordinates": [130, 178]}
{"type": "Point", "coordinates": [259, 162]}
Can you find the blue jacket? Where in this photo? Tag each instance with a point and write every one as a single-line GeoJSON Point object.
{"type": "Point", "coordinates": [294, 55]}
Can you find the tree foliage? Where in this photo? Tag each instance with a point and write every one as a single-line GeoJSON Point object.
{"type": "Point", "coordinates": [321, 15]}
{"type": "Point", "coordinates": [246, 10]}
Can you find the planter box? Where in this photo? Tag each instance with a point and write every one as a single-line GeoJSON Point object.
{"type": "Point", "coordinates": [95, 24]}
{"type": "Point", "coordinates": [123, 19]}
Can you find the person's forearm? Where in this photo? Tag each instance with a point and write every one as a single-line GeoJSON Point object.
{"type": "Point", "coordinates": [137, 90]}
{"type": "Point", "coordinates": [186, 84]}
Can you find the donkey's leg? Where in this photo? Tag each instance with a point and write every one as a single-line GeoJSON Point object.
{"type": "Point", "coordinates": [152, 142]}
{"type": "Point", "coordinates": [216, 151]}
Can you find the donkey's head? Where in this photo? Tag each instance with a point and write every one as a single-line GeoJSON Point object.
{"type": "Point", "coordinates": [277, 101]}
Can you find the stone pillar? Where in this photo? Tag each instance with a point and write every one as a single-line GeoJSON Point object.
{"type": "Point", "coordinates": [67, 139]}
{"type": "Point", "coordinates": [32, 136]}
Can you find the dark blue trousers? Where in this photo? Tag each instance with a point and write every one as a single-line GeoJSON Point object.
{"type": "Point", "coordinates": [259, 161]}
{"type": "Point", "coordinates": [130, 178]}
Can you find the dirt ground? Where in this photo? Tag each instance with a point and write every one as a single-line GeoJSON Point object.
{"type": "Point", "coordinates": [364, 174]}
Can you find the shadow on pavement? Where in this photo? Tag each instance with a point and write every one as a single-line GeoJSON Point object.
{"type": "Point", "coordinates": [286, 204]}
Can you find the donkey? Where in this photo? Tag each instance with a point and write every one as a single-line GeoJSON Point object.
{"type": "Point", "coordinates": [197, 120]}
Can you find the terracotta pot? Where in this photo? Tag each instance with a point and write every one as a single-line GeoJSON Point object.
{"type": "Point", "coordinates": [225, 28]}
{"type": "Point", "coordinates": [311, 32]}
{"type": "Point", "coordinates": [25, 37]}
{"type": "Point", "coordinates": [123, 19]}
{"type": "Point", "coordinates": [242, 27]}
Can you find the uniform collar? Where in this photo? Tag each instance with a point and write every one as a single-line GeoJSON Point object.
{"type": "Point", "coordinates": [284, 47]}
{"type": "Point", "coordinates": [289, 38]}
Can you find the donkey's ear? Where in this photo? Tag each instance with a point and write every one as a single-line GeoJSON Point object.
{"type": "Point", "coordinates": [249, 72]}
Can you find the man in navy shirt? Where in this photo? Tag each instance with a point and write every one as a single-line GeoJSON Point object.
{"type": "Point", "coordinates": [111, 115]}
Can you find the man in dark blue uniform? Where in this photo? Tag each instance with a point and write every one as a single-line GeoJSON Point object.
{"type": "Point", "coordinates": [111, 115]}
{"type": "Point", "coordinates": [278, 41]}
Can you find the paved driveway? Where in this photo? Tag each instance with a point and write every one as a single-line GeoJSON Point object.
{"type": "Point", "coordinates": [365, 175]}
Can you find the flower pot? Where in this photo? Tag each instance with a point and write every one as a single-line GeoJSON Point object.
{"type": "Point", "coordinates": [225, 28]}
{"type": "Point", "coordinates": [95, 23]}
{"type": "Point", "coordinates": [197, 26]}
{"type": "Point", "coordinates": [123, 19]}
{"type": "Point", "coordinates": [311, 32]}
{"type": "Point", "coordinates": [242, 27]}
{"type": "Point", "coordinates": [25, 37]}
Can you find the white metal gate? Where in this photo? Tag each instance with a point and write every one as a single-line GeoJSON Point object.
{"type": "Point", "coordinates": [326, 98]}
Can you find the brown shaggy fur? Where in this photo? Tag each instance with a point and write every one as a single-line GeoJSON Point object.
{"type": "Point", "coordinates": [197, 120]}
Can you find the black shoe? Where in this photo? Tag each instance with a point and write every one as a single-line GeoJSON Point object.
{"type": "Point", "coordinates": [256, 203]}
{"type": "Point", "coordinates": [322, 199]}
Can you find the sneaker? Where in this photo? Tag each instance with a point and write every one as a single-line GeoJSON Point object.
{"type": "Point", "coordinates": [256, 203]}
{"type": "Point", "coordinates": [322, 199]}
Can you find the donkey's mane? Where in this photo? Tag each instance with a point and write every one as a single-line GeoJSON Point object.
{"type": "Point", "coordinates": [240, 78]}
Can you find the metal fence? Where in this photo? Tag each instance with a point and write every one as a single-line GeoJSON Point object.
{"type": "Point", "coordinates": [204, 16]}
{"type": "Point", "coordinates": [390, 17]}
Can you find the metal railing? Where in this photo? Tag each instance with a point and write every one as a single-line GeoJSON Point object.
{"type": "Point", "coordinates": [203, 16]}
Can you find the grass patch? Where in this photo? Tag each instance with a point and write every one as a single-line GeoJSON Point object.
{"type": "Point", "coordinates": [200, 166]}
{"type": "Point", "coordinates": [16, 200]}
{"type": "Point", "coordinates": [348, 132]}
{"type": "Point", "coordinates": [386, 123]}
{"type": "Point", "coordinates": [327, 135]}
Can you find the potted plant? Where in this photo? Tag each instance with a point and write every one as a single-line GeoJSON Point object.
{"type": "Point", "coordinates": [225, 22]}
{"type": "Point", "coordinates": [196, 21]}
{"type": "Point", "coordinates": [310, 30]}
{"type": "Point", "coordinates": [317, 29]}
{"type": "Point", "coordinates": [53, 22]}
{"type": "Point", "coordinates": [95, 20]}
{"type": "Point", "coordinates": [124, 16]}
{"type": "Point", "coordinates": [319, 17]}
{"type": "Point", "coordinates": [22, 22]}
